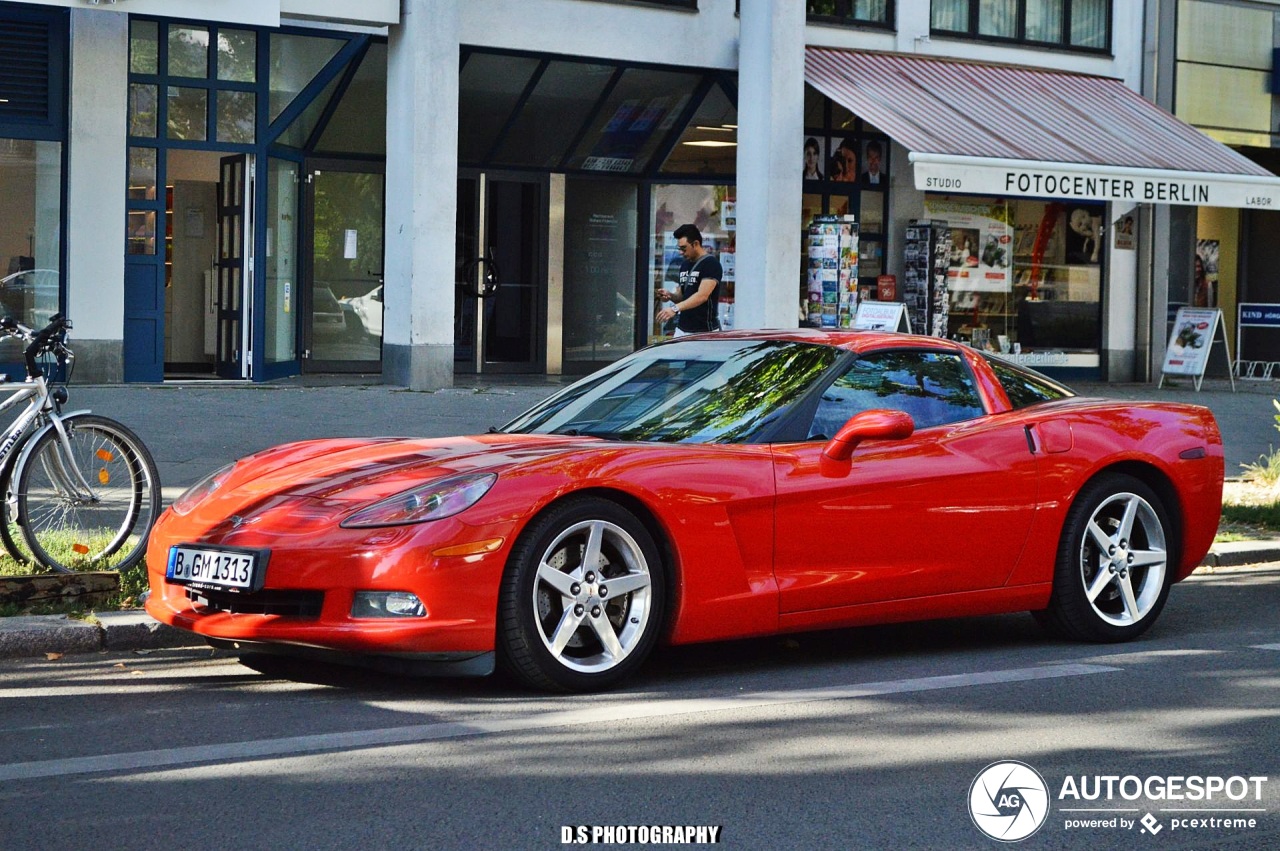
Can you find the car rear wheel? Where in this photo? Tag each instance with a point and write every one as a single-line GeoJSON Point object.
{"type": "Point", "coordinates": [1114, 563]}
{"type": "Point", "coordinates": [583, 598]}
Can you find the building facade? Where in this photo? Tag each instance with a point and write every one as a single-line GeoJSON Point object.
{"type": "Point", "coordinates": [427, 190]}
{"type": "Point", "coordinates": [1223, 257]}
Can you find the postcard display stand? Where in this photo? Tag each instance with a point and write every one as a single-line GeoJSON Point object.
{"type": "Point", "coordinates": [831, 296]}
{"type": "Point", "coordinates": [927, 254]}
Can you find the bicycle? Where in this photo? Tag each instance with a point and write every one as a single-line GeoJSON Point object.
{"type": "Point", "coordinates": [80, 490]}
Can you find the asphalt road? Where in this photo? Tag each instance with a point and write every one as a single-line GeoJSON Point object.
{"type": "Point", "coordinates": [867, 738]}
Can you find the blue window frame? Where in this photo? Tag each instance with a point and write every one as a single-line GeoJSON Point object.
{"type": "Point", "coordinates": [204, 86]}
{"type": "Point", "coordinates": [33, 127]}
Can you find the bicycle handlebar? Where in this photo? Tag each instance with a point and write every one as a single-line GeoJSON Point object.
{"type": "Point", "coordinates": [50, 338]}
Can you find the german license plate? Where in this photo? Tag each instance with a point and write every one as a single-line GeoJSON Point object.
{"type": "Point", "coordinates": [221, 569]}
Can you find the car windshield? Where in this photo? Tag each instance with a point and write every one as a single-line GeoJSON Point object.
{"type": "Point", "coordinates": [695, 391]}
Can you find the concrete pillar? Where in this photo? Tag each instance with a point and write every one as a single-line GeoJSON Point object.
{"type": "Point", "coordinates": [1120, 298]}
{"type": "Point", "coordinates": [1158, 228]}
{"type": "Point", "coordinates": [770, 133]}
{"type": "Point", "coordinates": [96, 171]}
{"type": "Point", "coordinates": [422, 172]}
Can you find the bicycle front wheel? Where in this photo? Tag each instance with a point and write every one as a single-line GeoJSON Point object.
{"type": "Point", "coordinates": [87, 502]}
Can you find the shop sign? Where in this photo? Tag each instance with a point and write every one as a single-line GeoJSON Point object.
{"type": "Point", "coordinates": [1099, 183]}
{"type": "Point", "coordinates": [1259, 315]}
{"type": "Point", "coordinates": [1195, 330]}
{"type": "Point", "coordinates": [882, 316]}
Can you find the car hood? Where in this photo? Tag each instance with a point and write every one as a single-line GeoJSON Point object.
{"type": "Point", "coordinates": [355, 471]}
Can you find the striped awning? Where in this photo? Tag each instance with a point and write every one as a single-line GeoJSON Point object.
{"type": "Point", "coordinates": [982, 129]}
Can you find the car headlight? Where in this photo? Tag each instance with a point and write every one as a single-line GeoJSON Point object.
{"type": "Point", "coordinates": [435, 501]}
{"type": "Point", "coordinates": [202, 489]}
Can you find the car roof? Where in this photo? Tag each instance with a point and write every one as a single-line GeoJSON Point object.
{"type": "Point", "coordinates": [848, 339]}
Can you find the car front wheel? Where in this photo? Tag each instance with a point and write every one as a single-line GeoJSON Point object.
{"type": "Point", "coordinates": [1114, 562]}
{"type": "Point", "coordinates": [583, 598]}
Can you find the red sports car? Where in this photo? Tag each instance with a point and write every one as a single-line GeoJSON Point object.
{"type": "Point", "coordinates": [709, 488]}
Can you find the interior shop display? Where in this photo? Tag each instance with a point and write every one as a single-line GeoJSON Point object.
{"type": "Point", "coordinates": [927, 251]}
{"type": "Point", "coordinates": [831, 279]}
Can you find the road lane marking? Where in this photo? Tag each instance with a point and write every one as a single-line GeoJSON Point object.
{"type": "Point", "coordinates": [1266, 647]}
{"type": "Point", "coordinates": [612, 713]}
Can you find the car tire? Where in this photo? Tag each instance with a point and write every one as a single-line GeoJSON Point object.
{"type": "Point", "coordinates": [583, 599]}
{"type": "Point", "coordinates": [1115, 562]}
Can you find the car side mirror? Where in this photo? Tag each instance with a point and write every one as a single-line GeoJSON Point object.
{"type": "Point", "coordinates": [868, 425]}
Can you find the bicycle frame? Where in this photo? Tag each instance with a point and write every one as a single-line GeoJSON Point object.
{"type": "Point", "coordinates": [36, 392]}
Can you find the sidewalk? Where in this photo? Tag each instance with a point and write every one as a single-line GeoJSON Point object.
{"type": "Point", "coordinates": [192, 429]}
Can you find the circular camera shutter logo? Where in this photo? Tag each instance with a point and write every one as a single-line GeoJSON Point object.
{"type": "Point", "coordinates": [1008, 801]}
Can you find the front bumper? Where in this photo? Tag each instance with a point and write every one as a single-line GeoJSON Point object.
{"type": "Point", "coordinates": [459, 592]}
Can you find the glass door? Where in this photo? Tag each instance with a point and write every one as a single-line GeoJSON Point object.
{"type": "Point", "coordinates": [230, 266]}
{"type": "Point", "coordinates": [279, 303]}
{"type": "Point", "coordinates": [342, 291]}
{"type": "Point", "coordinates": [499, 318]}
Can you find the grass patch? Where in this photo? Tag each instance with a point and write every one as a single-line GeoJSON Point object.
{"type": "Point", "coordinates": [1264, 517]}
{"type": "Point", "coordinates": [133, 582]}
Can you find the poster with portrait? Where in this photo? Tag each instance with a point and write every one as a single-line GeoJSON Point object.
{"type": "Point", "coordinates": [1204, 291]}
{"type": "Point", "coordinates": [842, 165]}
{"type": "Point", "coordinates": [815, 157]}
{"type": "Point", "coordinates": [875, 172]}
{"type": "Point", "coordinates": [1124, 232]}
{"type": "Point", "coordinates": [1084, 234]}
{"type": "Point", "coordinates": [981, 244]}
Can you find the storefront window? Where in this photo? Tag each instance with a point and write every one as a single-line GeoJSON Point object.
{"type": "Point", "coordinates": [709, 144]}
{"type": "Point", "coordinates": [557, 109]}
{"type": "Point", "coordinates": [359, 121]}
{"type": "Point", "coordinates": [634, 120]}
{"type": "Point", "coordinates": [1025, 277]}
{"type": "Point", "coordinates": [712, 209]}
{"type": "Point", "coordinates": [846, 172]}
{"type": "Point", "coordinates": [599, 270]}
{"type": "Point", "coordinates": [490, 85]}
{"type": "Point", "coordinates": [30, 231]}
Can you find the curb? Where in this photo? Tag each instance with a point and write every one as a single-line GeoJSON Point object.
{"type": "Point", "coordinates": [1241, 553]}
{"type": "Point", "coordinates": [36, 635]}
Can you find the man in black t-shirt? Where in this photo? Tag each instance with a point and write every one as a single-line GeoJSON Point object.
{"type": "Point", "coordinates": [697, 300]}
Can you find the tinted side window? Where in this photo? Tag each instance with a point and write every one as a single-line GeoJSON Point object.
{"type": "Point", "coordinates": [933, 387]}
{"type": "Point", "coordinates": [1025, 387]}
